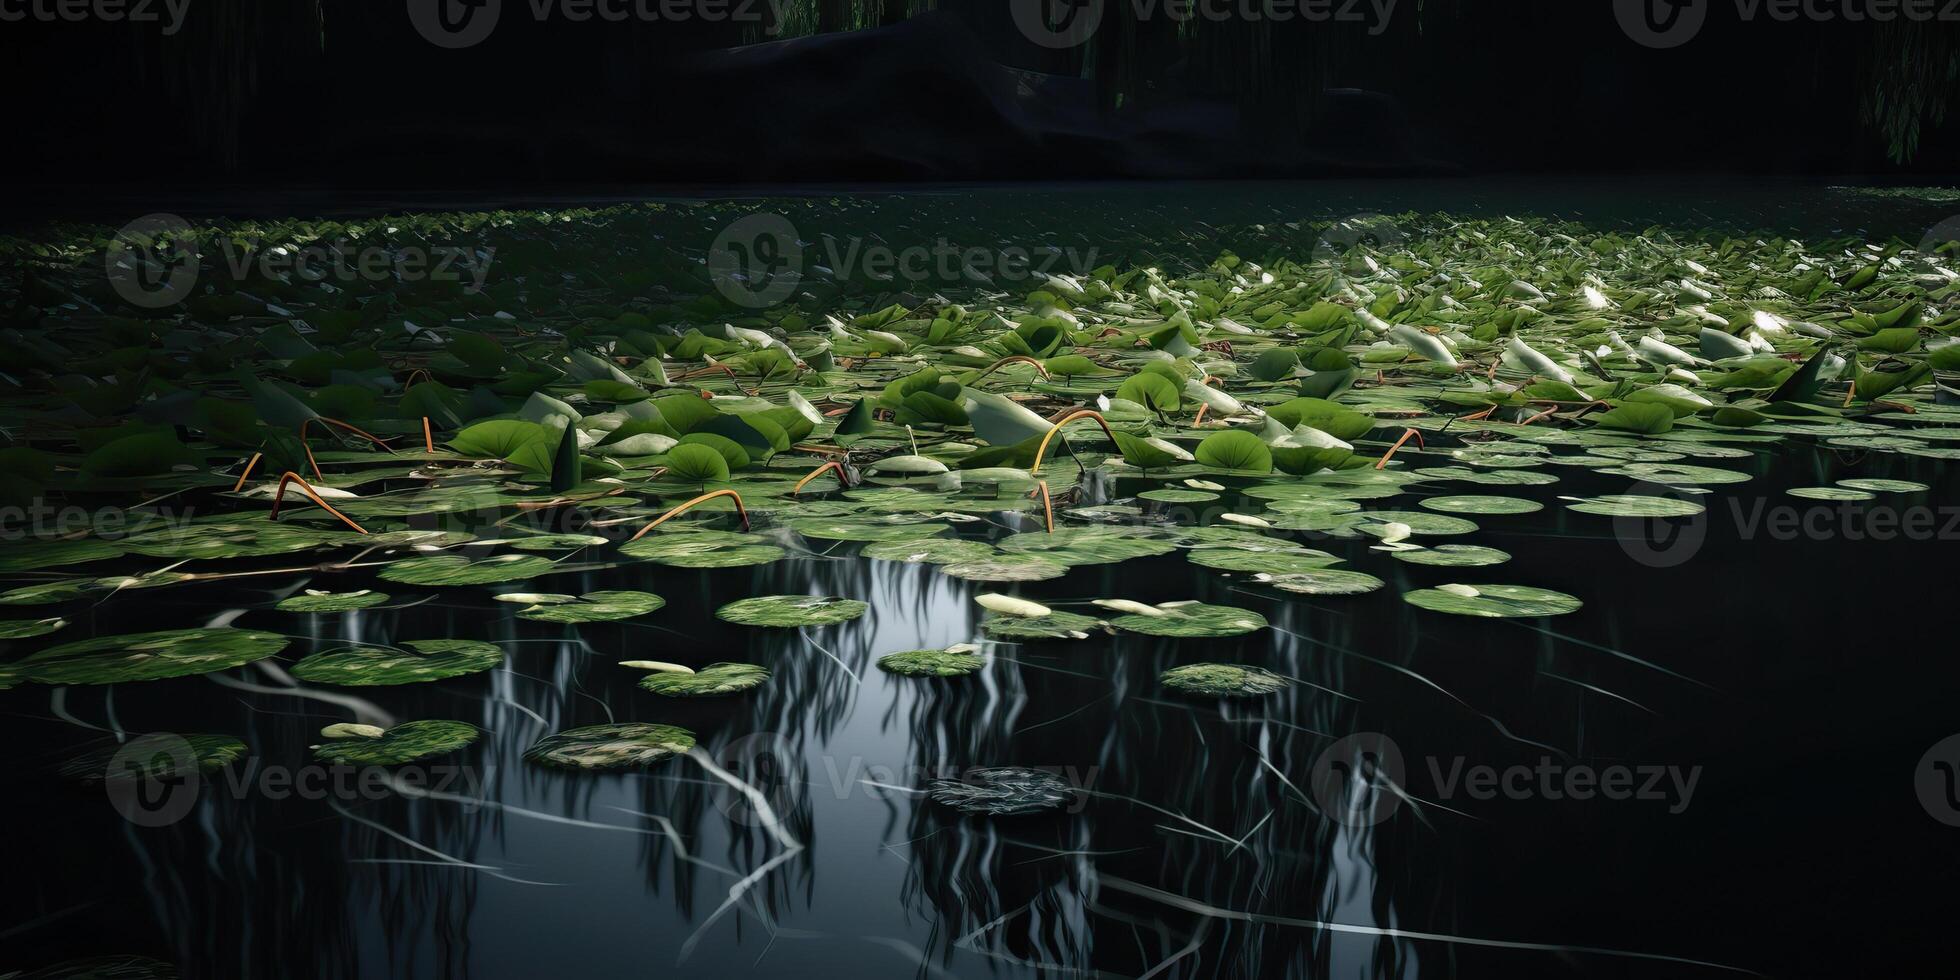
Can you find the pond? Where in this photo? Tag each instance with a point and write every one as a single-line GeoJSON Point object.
{"type": "Point", "coordinates": [1428, 592]}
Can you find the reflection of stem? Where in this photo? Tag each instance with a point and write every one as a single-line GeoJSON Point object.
{"type": "Point", "coordinates": [279, 498]}
{"type": "Point", "coordinates": [684, 508]}
{"type": "Point", "coordinates": [1042, 451]}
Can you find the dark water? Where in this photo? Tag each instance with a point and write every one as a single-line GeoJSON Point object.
{"type": "Point", "coordinates": [1803, 678]}
{"type": "Point", "coordinates": [1800, 680]}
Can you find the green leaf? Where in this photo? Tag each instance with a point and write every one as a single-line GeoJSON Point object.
{"type": "Point", "coordinates": [697, 463]}
{"type": "Point", "coordinates": [1645, 418]}
{"type": "Point", "coordinates": [1235, 449]}
{"type": "Point", "coordinates": [1152, 391]}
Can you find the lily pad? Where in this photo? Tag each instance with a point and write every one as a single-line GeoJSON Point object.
{"type": "Point", "coordinates": [931, 663]}
{"type": "Point", "coordinates": [1054, 626]}
{"type": "Point", "coordinates": [619, 746]}
{"type": "Point", "coordinates": [458, 570]}
{"type": "Point", "coordinates": [934, 551]}
{"type": "Point", "coordinates": [425, 660]}
{"type": "Point", "coordinates": [1324, 581]}
{"type": "Point", "coordinates": [1087, 545]}
{"type": "Point", "coordinates": [1635, 505]}
{"type": "Point", "coordinates": [1271, 562]}
{"type": "Point", "coordinates": [1007, 568]}
{"type": "Point", "coordinates": [712, 681]}
{"type": "Point", "coordinates": [791, 611]}
{"type": "Point", "coordinates": [331, 602]}
{"type": "Point", "coordinates": [1453, 556]}
{"type": "Point", "coordinates": [1493, 601]}
{"type": "Point", "coordinates": [405, 743]}
{"type": "Point", "coordinates": [1194, 619]}
{"type": "Point", "coordinates": [156, 756]}
{"type": "Point", "coordinates": [596, 607]}
{"type": "Point", "coordinates": [22, 629]}
{"type": "Point", "coordinates": [1224, 681]}
{"type": "Point", "coordinates": [1884, 486]}
{"type": "Point", "coordinates": [1482, 505]}
{"type": "Point", "coordinates": [704, 549]}
{"type": "Point", "coordinates": [148, 656]}
{"type": "Point", "coordinates": [1839, 494]}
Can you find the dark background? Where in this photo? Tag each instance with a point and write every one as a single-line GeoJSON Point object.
{"type": "Point", "coordinates": [346, 93]}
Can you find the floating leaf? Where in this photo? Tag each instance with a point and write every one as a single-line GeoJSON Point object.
{"type": "Point", "coordinates": [408, 742]}
{"type": "Point", "coordinates": [712, 681]}
{"type": "Point", "coordinates": [1495, 601]}
{"type": "Point", "coordinates": [148, 656]}
{"type": "Point", "coordinates": [1224, 681]}
{"type": "Point", "coordinates": [1003, 792]}
{"type": "Point", "coordinates": [596, 607]}
{"type": "Point", "coordinates": [619, 746]}
{"type": "Point", "coordinates": [425, 660]}
{"type": "Point", "coordinates": [791, 610]}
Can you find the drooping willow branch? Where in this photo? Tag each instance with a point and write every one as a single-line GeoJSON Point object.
{"type": "Point", "coordinates": [690, 505]}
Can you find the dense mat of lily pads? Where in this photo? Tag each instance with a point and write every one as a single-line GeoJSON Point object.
{"type": "Point", "coordinates": [604, 401]}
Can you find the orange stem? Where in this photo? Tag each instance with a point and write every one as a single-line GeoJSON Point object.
{"type": "Point", "coordinates": [1406, 434]}
{"type": "Point", "coordinates": [1042, 452]}
{"type": "Point", "coordinates": [242, 477]}
{"type": "Point", "coordinates": [842, 476]}
{"type": "Point", "coordinates": [1039, 367]}
{"type": "Point", "coordinates": [1047, 503]}
{"type": "Point", "coordinates": [684, 508]}
{"type": "Point", "coordinates": [1200, 420]}
{"type": "Point", "coordinates": [279, 498]}
{"type": "Point", "coordinates": [428, 438]}
{"type": "Point", "coordinates": [1480, 416]}
{"type": "Point", "coordinates": [308, 424]}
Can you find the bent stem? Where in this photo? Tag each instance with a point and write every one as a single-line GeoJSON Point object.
{"type": "Point", "coordinates": [843, 476]}
{"type": "Point", "coordinates": [242, 477]}
{"type": "Point", "coordinates": [1042, 452]}
{"type": "Point", "coordinates": [369, 436]}
{"type": "Point", "coordinates": [1406, 435]}
{"type": "Point", "coordinates": [1047, 503]}
{"type": "Point", "coordinates": [1011, 359]}
{"type": "Point", "coordinates": [690, 505]}
{"type": "Point", "coordinates": [279, 499]}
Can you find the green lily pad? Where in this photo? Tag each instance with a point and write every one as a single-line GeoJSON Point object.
{"type": "Point", "coordinates": [1271, 562]}
{"type": "Point", "coordinates": [931, 663]}
{"type": "Point", "coordinates": [703, 549]}
{"type": "Point", "coordinates": [1324, 581]}
{"type": "Point", "coordinates": [1054, 626]}
{"type": "Point", "coordinates": [458, 570]}
{"type": "Point", "coordinates": [22, 629]}
{"type": "Point", "coordinates": [1840, 494]}
{"type": "Point", "coordinates": [1635, 505]}
{"type": "Point", "coordinates": [1087, 545]}
{"type": "Point", "coordinates": [1193, 620]}
{"type": "Point", "coordinates": [148, 656]}
{"type": "Point", "coordinates": [1494, 601]}
{"type": "Point", "coordinates": [866, 531]}
{"type": "Point", "coordinates": [1174, 496]}
{"type": "Point", "coordinates": [1007, 568]}
{"type": "Point", "coordinates": [1224, 681]}
{"type": "Point", "coordinates": [331, 602]}
{"type": "Point", "coordinates": [791, 611]}
{"type": "Point", "coordinates": [1453, 556]}
{"type": "Point", "coordinates": [620, 746]}
{"type": "Point", "coordinates": [1482, 505]}
{"type": "Point", "coordinates": [712, 681]}
{"type": "Point", "coordinates": [431, 660]}
{"type": "Point", "coordinates": [1884, 486]}
{"type": "Point", "coordinates": [36, 554]}
{"type": "Point", "coordinates": [933, 551]}
{"type": "Point", "coordinates": [407, 742]}
{"type": "Point", "coordinates": [596, 607]}
{"type": "Point", "coordinates": [159, 756]}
